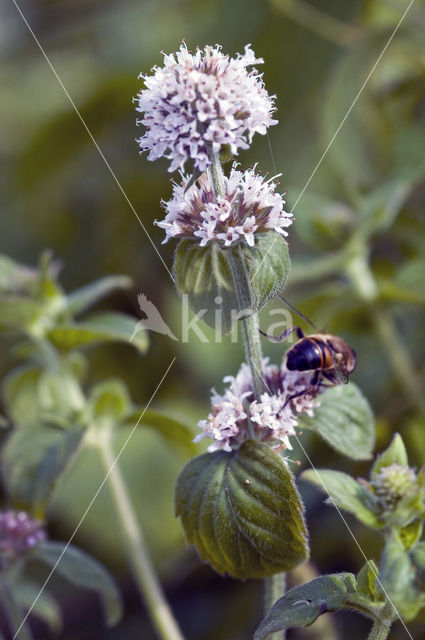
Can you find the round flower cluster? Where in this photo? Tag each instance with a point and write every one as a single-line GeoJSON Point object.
{"type": "Point", "coordinates": [197, 103]}
{"type": "Point", "coordinates": [393, 483]}
{"type": "Point", "coordinates": [236, 416]}
{"type": "Point", "coordinates": [18, 533]}
{"type": "Point", "coordinates": [249, 205]}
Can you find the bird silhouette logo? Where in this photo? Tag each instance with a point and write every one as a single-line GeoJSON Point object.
{"type": "Point", "coordinates": [153, 320]}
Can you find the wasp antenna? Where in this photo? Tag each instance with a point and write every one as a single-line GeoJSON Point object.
{"type": "Point", "coordinates": [301, 315]}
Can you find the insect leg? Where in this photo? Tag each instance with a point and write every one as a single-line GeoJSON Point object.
{"type": "Point", "coordinates": [284, 335]}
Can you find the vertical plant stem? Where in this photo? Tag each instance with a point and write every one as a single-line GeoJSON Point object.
{"type": "Point", "coordinates": [248, 322]}
{"type": "Point", "coordinates": [380, 630]}
{"type": "Point", "coordinates": [13, 613]}
{"type": "Point", "coordinates": [274, 588]}
{"type": "Point", "coordinates": [241, 283]}
{"type": "Point", "coordinates": [275, 585]}
{"type": "Point", "coordinates": [139, 560]}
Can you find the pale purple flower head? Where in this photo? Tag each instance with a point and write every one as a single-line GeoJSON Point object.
{"type": "Point", "coordinates": [249, 206]}
{"type": "Point", "coordinates": [198, 102]}
{"type": "Point", "coordinates": [236, 416]}
{"type": "Point", "coordinates": [18, 533]}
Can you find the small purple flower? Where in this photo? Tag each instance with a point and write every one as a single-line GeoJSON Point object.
{"type": "Point", "coordinates": [18, 533]}
{"type": "Point", "coordinates": [196, 103]}
{"type": "Point", "coordinates": [236, 416]}
{"type": "Point", "coordinates": [249, 206]}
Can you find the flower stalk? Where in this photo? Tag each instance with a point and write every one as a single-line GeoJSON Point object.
{"type": "Point", "coordinates": [275, 586]}
{"type": "Point", "coordinates": [380, 630]}
{"type": "Point", "coordinates": [140, 562]}
{"type": "Point", "coordinates": [249, 323]}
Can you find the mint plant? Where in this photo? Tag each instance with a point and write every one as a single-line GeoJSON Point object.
{"type": "Point", "coordinates": [53, 417]}
{"type": "Point", "coordinates": [238, 502]}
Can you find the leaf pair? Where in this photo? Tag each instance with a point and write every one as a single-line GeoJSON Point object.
{"type": "Point", "coordinates": [204, 275]}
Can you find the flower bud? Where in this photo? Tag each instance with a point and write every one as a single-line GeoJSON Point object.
{"type": "Point", "coordinates": [394, 483]}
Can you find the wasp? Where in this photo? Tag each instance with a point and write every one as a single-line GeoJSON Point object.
{"type": "Point", "coordinates": [328, 356]}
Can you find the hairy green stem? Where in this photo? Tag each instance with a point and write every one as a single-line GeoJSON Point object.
{"type": "Point", "coordinates": [14, 616]}
{"type": "Point", "coordinates": [241, 283]}
{"type": "Point", "coordinates": [274, 588]}
{"type": "Point", "coordinates": [380, 630]}
{"type": "Point", "coordinates": [248, 322]}
{"type": "Point", "coordinates": [133, 541]}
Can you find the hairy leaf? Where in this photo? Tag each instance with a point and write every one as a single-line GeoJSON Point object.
{"type": "Point", "coordinates": [242, 511]}
{"type": "Point", "coordinates": [346, 493]}
{"type": "Point", "coordinates": [345, 421]}
{"type": "Point", "coordinates": [367, 579]}
{"type": "Point", "coordinates": [204, 275]}
{"type": "Point", "coordinates": [397, 574]}
{"type": "Point", "coordinates": [302, 605]}
{"type": "Point", "coordinates": [268, 267]}
{"type": "Point", "coordinates": [396, 452]}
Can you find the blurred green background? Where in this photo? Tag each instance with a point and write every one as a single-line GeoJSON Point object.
{"type": "Point", "coordinates": [357, 246]}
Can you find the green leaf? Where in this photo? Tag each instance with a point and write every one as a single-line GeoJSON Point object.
{"type": "Point", "coordinates": [177, 434]}
{"type": "Point", "coordinates": [98, 328]}
{"type": "Point", "coordinates": [33, 459]}
{"type": "Point", "coordinates": [367, 579]}
{"type": "Point", "coordinates": [396, 452]}
{"type": "Point", "coordinates": [31, 596]}
{"type": "Point", "coordinates": [242, 511]}
{"type": "Point", "coordinates": [60, 394]}
{"type": "Point", "coordinates": [397, 574]}
{"type": "Point", "coordinates": [345, 421]}
{"type": "Point", "coordinates": [80, 299]}
{"type": "Point", "coordinates": [268, 267]}
{"type": "Point", "coordinates": [110, 399]}
{"type": "Point", "coordinates": [347, 493]}
{"type": "Point", "coordinates": [203, 274]}
{"type": "Point", "coordinates": [84, 572]}
{"type": "Point", "coordinates": [411, 533]}
{"type": "Point", "coordinates": [19, 312]}
{"type": "Point", "coordinates": [302, 605]}
{"type": "Point", "coordinates": [20, 393]}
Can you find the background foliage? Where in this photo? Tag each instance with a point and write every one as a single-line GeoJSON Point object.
{"type": "Point", "coordinates": [357, 246]}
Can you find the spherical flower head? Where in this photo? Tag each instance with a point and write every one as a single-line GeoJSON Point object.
{"type": "Point", "coordinates": [198, 102]}
{"type": "Point", "coordinates": [18, 533]}
{"type": "Point", "coordinates": [394, 482]}
{"type": "Point", "coordinates": [250, 205]}
{"type": "Point", "coordinates": [237, 416]}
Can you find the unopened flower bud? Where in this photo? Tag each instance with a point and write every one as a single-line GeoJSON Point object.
{"type": "Point", "coordinates": [394, 482]}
